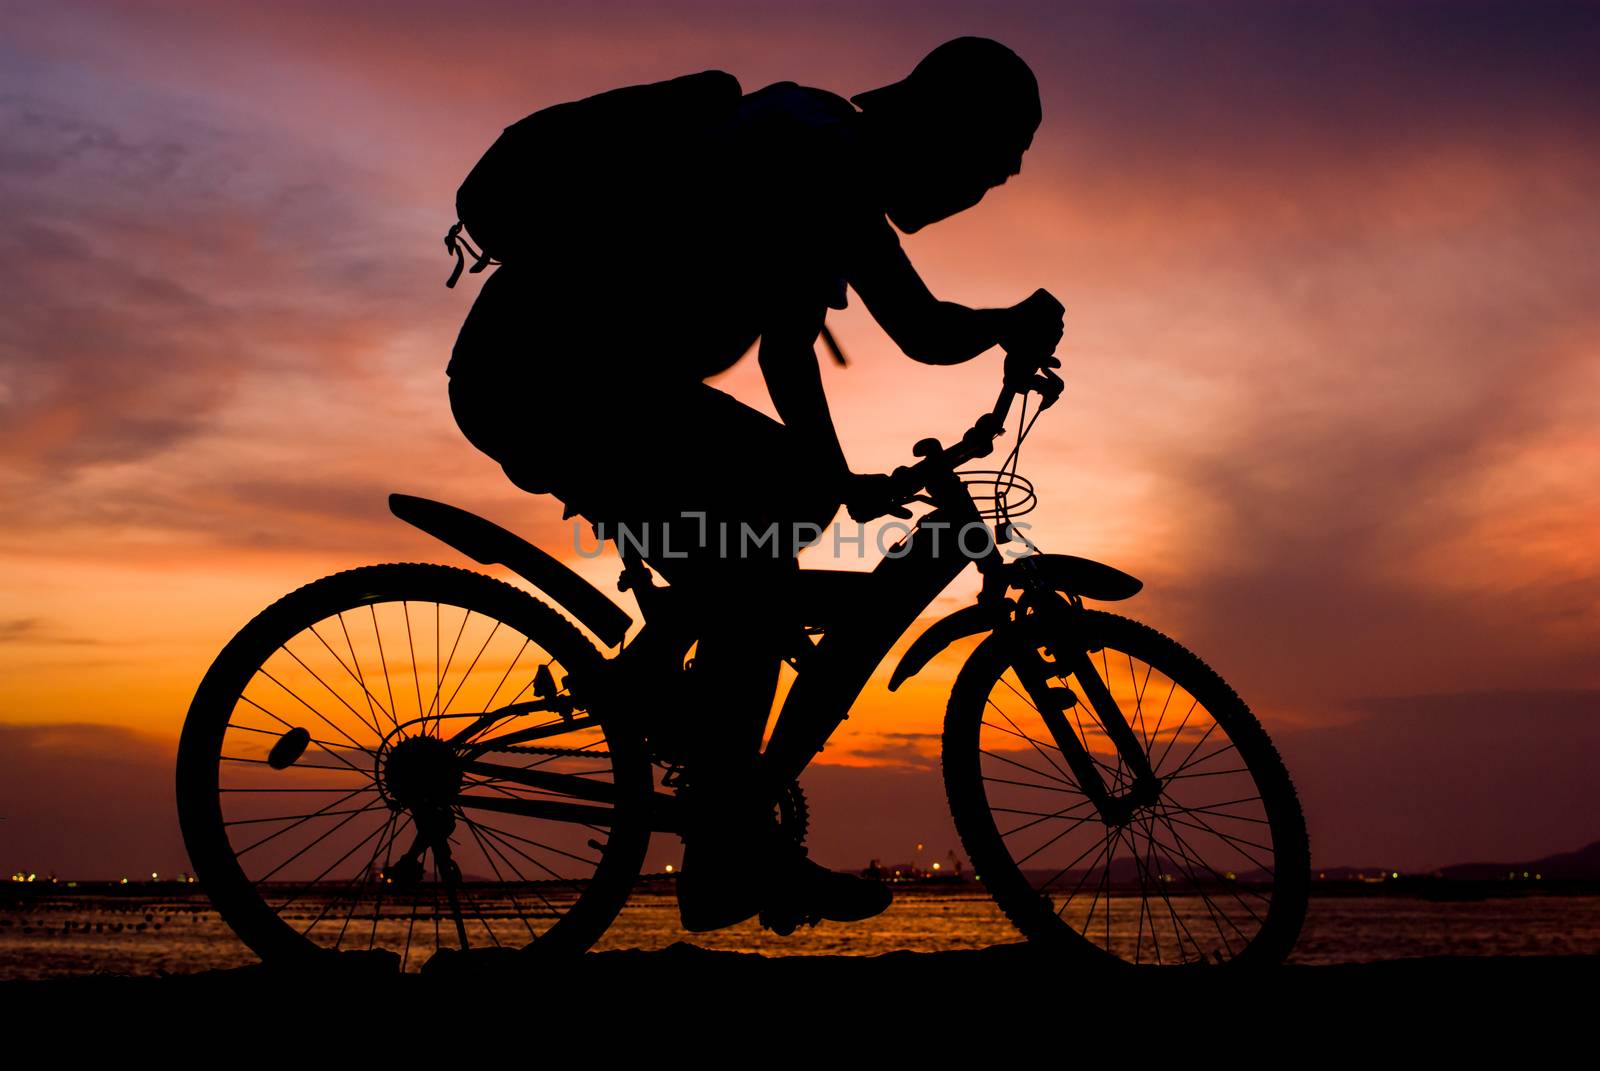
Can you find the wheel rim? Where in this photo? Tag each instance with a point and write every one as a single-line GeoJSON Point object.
{"type": "Point", "coordinates": [1207, 872]}
{"type": "Point", "coordinates": [351, 806]}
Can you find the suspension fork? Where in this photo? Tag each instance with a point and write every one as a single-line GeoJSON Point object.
{"type": "Point", "coordinates": [1059, 617]}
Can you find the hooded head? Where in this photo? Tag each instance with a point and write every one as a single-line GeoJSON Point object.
{"type": "Point", "coordinates": [951, 130]}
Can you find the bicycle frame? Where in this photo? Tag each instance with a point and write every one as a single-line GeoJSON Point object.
{"type": "Point", "coordinates": [832, 672]}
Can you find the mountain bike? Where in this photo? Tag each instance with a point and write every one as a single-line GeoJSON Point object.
{"type": "Point", "coordinates": [418, 757]}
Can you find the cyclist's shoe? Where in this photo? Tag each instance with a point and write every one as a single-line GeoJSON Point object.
{"type": "Point", "coordinates": [719, 887]}
{"type": "Point", "coordinates": [801, 891]}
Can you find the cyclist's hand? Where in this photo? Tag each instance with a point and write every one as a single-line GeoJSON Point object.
{"type": "Point", "coordinates": [1033, 328]}
{"type": "Point", "coordinates": [872, 495]}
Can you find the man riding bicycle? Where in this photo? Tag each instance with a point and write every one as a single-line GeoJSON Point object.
{"type": "Point", "coordinates": [585, 379]}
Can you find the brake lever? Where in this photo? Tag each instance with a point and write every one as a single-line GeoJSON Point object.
{"type": "Point", "coordinates": [1048, 386]}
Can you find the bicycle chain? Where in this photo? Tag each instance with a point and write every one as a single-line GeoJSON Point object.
{"type": "Point", "coordinates": [534, 749]}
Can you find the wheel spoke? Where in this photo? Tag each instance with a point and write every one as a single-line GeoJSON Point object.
{"type": "Point", "coordinates": [295, 696]}
{"type": "Point", "coordinates": [373, 707]}
{"type": "Point", "coordinates": [1203, 826]}
{"type": "Point", "coordinates": [1019, 734]}
{"type": "Point", "coordinates": [384, 842]}
{"type": "Point", "coordinates": [1030, 769]}
{"type": "Point", "coordinates": [346, 768]}
{"type": "Point", "coordinates": [361, 677]}
{"type": "Point", "coordinates": [1188, 760]}
{"type": "Point", "coordinates": [1177, 921]}
{"type": "Point", "coordinates": [1220, 879]}
{"type": "Point", "coordinates": [1028, 784]}
{"type": "Point", "coordinates": [1083, 735]}
{"type": "Point", "coordinates": [490, 857]}
{"type": "Point", "coordinates": [297, 861]}
{"type": "Point", "coordinates": [444, 673]}
{"type": "Point", "coordinates": [1052, 879]}
{"type": "Point", "coordinates": [325, 745]}
{"type": "Point", "coordinates": [505, 838]}
{"type": "Point", "coordinates": [1199, 890]}
{"type": "Point", "coordinates": [466, 674]}
{"type": "Point", "coordinates": [383, 659]}
{"type": "Point", "coordinates": [320, 813]}
{"type": "Point", "coordinates": [411, 648]}
{"type": "Point", "coordinates": [1149, 872]}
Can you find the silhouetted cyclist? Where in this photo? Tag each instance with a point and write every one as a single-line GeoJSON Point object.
{"type": "Point", "coordinates": [584, 378]}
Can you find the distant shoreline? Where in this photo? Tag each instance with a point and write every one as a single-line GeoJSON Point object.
{"type": "Point", "coordinates": [1428, 887]}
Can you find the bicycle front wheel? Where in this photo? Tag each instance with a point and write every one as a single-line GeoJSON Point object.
{"type": "Point", "coordinates": [389, 758]}
{"type": "Point", "coordinates": [1214, 868]}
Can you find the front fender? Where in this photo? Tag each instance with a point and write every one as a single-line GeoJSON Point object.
{"type": "Point", "coordinates": [941, 634]}
{"type": "Point", "coordinates": [1063, 572]}
{"type": "Point", "coordinates": [1080, 576]}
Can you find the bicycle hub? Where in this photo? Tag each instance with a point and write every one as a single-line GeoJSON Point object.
{"type": "Point", "coordinates": [422, 773]}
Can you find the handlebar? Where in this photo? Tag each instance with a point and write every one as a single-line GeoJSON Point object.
{"type": "Point", "coordinates": [978, 441]}
{"type": "Point", "coordinates": [1022, 377]}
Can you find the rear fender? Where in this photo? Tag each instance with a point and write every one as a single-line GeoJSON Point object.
{"type": "Point", "coordinates": [486, 542]}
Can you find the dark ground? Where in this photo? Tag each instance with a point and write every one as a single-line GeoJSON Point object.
{"type": "Point", "coordinates": [686, 998]}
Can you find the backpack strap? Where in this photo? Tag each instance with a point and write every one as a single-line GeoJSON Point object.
{"type": "Point", "coordinates": [455, 243]}
{"type": "Point", "coordinates": [833, 348]}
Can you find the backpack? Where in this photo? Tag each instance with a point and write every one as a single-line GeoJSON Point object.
{"type": "Point", "coordinates": [580, 175]}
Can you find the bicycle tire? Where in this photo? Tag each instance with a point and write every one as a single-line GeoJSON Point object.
{"type": "Point", "coordinates": [1185, 896]}
{"type": "Point", "coordinates": [516, 880]}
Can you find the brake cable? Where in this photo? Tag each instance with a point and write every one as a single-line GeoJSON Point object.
{"type": "Point", "coordinates": [1006, 479]}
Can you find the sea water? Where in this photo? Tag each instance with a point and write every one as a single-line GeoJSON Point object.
{"type": "Point", "coordinates": [62, 936]}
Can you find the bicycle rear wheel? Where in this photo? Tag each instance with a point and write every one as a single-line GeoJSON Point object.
{"type": "Point", "coordinates": [388, 758]}
{"type": "Point", "coordinates": [1215, 869]}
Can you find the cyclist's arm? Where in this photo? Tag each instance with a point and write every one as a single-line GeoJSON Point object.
{"type": "Point", "coordinates": [926, 329]}
{"type": "Point", "coordinates": [788, 361]}
{"type": "Point", "coordinates": [941, 332]}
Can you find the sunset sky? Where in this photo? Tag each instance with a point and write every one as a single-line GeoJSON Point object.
{"type": "Point", "coordinates": [1332, 358]}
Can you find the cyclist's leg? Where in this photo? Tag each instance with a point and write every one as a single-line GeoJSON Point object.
{"type": "Point", "coordinates": [734, 497]}
{"type": "Point", "coordinates": [721, 497]}
{"type": "Point", "coordinates": [745, 473]}
{"type": "Point", "coordinates": [714, 494]}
